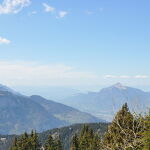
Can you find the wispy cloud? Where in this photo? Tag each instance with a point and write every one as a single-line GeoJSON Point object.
{"type": "Point", "coordinates": [4, 40]}
{"type": "Point", "coordinates": [124, 77]}
{"type": "Point", "coordinates": [32, 13]}
{"type": "Point", "coordinates": [141, 76]}
{"type": "Point", "coordinates": [91, 12]}
{"type": "Point", "coordinates": [51, 9]}
{"type": "Point", "coordinates": [109, 76]}
{"type": "Point", "coordinates": [13, 6]}
{"type": "Point", "coordinates": [32, 73]}
{"type": "Point", "coordinates": [48, 8]}
{"type": "Point", "coordinates": [62, 14]}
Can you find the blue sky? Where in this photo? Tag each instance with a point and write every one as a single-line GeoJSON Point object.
{"type": "Point", "coordinates": [74, 43]}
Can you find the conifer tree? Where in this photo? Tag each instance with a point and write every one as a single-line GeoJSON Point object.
{"type": "Point", "coordinates": [124, 131]}
{"type": "Point", "coordinates": [75, 143]}
{"type": "Point", "coordinates": [87, 140]}
{"type": "Point", "coordinates": [84, 139]}
{"type": "Point", "coordinates": [146, 134]}
{"type": "Point", "coordinates": [97, 144]}
{"type": "Point", "coordinates": [26, 142]}
{"type": "Point", "coordinates": [14, 147]}
{"type": "Point", "coordinates": [58, 145]}
{"type": "Point", "coordinates": [52, 144]}
{"type": "Point", "coordinates": [33, 140]}
{"type": "Point", "coordinates": [23, 142]}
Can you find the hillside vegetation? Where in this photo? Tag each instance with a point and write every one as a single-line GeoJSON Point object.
{"type": "Point", "coordinates": [127, 131]}
{"type": "Point", "coordinates": [65, 134]}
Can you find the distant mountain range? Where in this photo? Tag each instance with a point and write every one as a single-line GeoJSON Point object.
{"type": "Point", "coordinates": [19, 113]}
{"type": "Point", "coordinates": [107, 101]}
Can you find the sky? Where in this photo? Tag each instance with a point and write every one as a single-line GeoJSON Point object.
{"type": "Point", "coordinates": [74, 43]}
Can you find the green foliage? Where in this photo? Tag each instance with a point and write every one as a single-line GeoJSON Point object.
{"type": "Point", "coordinates": [59, 145]}
{"type": "Point", "coordinates": [146, 134]}
{"type": "Point", "coordinates": [14, 147]}
{"type": "Point", "coordinates": [31, 142]}
{"type": "Point", "coordinates": [124, 132]}
{"type": "Point", "coordinates": [75, 143]}
{"type": "Point", "coordinates": [26, 142]}
{"type": "Point", "coordinates": [66, 133]}
{"type": "Point", "coordinates": [87, 140]}
{"type": "Point", "coordinates": [52, 144]}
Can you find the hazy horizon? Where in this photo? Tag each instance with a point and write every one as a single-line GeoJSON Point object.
{"type": "Point", "coordinates": [74, 44]}
{"type": "Point", "coordinates": [51, 92]}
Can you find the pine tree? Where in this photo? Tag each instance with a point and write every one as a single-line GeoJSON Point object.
{"type": "Point", "coordinates": [87, 140]}
{"type": "Point", "coordinates": [14, 147]}
{"type": "Point", "coordinates": [146, 134]}
{"type": "Point", "coordinates": [97, 144]}
{"type": "Point", "coordinates": [33, 140]}
{"type": "Point", "coordinates": [124, 131]}
{"type": "Point", "coordinates": [58, 145]}
{"type": "Point", "coordinates": [75, 143]}
{"type": "Point", "coordinates": [84, 138]}
{"type": "Point", "coordinates": [50, 144]}
{"type": "Point", "coordinates": [26, 142]}
{"type": "Point", "coordinates": [23, 142]}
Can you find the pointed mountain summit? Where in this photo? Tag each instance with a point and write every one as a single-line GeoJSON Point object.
{"type": "Point", "coordinates": [107, 101]}
{"type": "Point", "coordinates": [119, 86]}
{"type": "Point", "coordinates": [115, 87]}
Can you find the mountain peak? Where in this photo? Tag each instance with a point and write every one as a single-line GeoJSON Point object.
{"type": "Point", "coordinates": [120, 86]}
